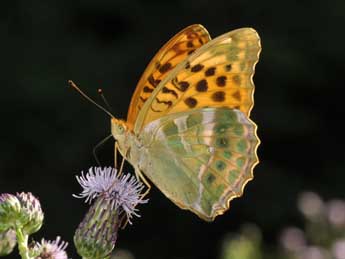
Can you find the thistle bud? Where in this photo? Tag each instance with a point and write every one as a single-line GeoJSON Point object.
{"type": "Point", "coordinates": [7, 242]}
{"type": "Point", "coordinates": [10, 209]}
{"type": "Point", "coordinates": [31, 215]}
{"type": "Point", "coordinates": [97, 233]}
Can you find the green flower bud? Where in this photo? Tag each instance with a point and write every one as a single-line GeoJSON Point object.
{"type": "Point", "coordinates": [10, 209]}
{"type": "Point", "coordinates": [31, 215]}
{"type": "Point", "coordinates": [7, 242]}
{"type": "Point", "coordinates": [96, 235]}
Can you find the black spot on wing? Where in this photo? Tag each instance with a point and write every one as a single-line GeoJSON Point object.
{"type": "Point", "coordinates": [218, 96]}
{"type": "Point", "coordinates": [191, 102]}
{"type": "Point", "coordinates": [210, 71]}
{"type": "Point", "coordinates": [183, 86]}
{"type": "Point", "coordinates": [197, 68]}
{"type": "Point", "coordinates": [202, 86]}
{"type": "Point", "coordinates": [165, 68]}
{"type": "Point", "coordinates": [190, 44]}
{"type": "Point", "coordinates": [228, 67]}
{"type": "Point", "coordinates": [147, 89]}
{"type": "Point", "coordinates": [221, 81]}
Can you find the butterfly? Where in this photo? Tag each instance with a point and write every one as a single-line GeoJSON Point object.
{"type": "Point", "coordinates": [188, 128]}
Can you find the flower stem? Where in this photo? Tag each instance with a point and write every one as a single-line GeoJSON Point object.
{"type": "Point", "coordinates": [23, 244]}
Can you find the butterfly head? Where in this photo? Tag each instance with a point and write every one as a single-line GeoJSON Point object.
{"type": "Point", "coordinates": [118, 128]}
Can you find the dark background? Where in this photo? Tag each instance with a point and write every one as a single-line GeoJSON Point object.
{"type": "Point", "coordinates": [47, 131]}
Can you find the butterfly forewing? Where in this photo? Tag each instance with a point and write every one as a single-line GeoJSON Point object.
{"type": "Point", "coordinates": [219, 74]}
{"type": "Point", "coordinates": [171, 54]}
{"type": "Point", "coordinates": [201, 159]}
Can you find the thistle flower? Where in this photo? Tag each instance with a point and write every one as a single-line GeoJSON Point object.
{"type": "Point", "coordinates": [96, 182]}
{"type": "Point", "coordinates": [123, 192]}
{"type": "Point", "coordinates": [50, 249]}
{"type": "Point", "coordinates": [7, 242]}
{"type": "Point", "coordinates": [116, 196]}
{"type": "Point", "coordinates": [31, 215]}
{"type": "Point", "coordinates": [10, 209]}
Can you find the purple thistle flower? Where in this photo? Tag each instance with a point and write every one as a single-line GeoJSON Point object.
{"type": "Point", "coordinates": [96, 182]}
{"type": "Point", "coordinates": [123, 192]}
{"type": "Point", "coordinates": [51, 249]}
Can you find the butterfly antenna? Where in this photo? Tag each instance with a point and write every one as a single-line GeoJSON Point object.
{"type": "Point", "coordinates": [100, 92]}
{"type": "Point", "coordinates": [75, 87]}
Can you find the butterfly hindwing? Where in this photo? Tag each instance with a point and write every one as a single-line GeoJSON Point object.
{"type": "Point", "coordinates": [219, 74]}
{"type": "Point", "coordinates": [201, 159]}
{"type": "Point", "coordinates": [171, 54]}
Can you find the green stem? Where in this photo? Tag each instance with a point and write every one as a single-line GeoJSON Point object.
{"type": "Point", "coordinates": [22, 240]}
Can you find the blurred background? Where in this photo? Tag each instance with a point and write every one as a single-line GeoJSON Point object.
{"type": "Point", "coordinates": [48, 131]}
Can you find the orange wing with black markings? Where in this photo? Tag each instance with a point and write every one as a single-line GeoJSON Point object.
{"type": "Point", "coordinates": [168, 57]}
{"type": "Point", "coordinates": [218, 74]}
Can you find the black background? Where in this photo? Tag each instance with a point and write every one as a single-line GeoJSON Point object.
{"type": "Point", "coordinates": [47, 131]}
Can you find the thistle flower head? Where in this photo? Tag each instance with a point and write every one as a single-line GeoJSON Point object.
{"type": "Point", "coordinates": [123, 191]}
{"type": "Point", "coordinates": [50, 249]}
{"type": "Point", "coordinates": [96, 182]}
{"type": "Point", "coordinates": [10, 209]}
{"type": "Point", "coordinates": [31, 215]}
{"type": "Point", "coordinates": [116, 196]}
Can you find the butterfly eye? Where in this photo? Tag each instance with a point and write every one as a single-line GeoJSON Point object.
{"type": "Point", "coordinates": [121, 128]}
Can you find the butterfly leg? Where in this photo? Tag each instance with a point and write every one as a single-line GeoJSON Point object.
{"type": "Point", "coordinates": [141, 177]}
{"type": "Point", "coordinates": [94, 150]}
{"type": "Point", "coordinates": [123, 221]}
{"type": "Point", "coordinates": [115, 153]}
{"type": "Point", "coordinates": [119, 172]}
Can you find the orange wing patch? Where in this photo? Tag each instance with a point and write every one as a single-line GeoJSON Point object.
{"type": "Point", "coordinates": [219, 74]}
{"type": "Point", "coordinates": [171, 54]}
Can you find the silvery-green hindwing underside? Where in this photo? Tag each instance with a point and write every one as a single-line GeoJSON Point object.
{"type": "Point", "coordinates": [200, 159]}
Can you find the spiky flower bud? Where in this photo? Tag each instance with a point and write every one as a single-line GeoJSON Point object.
{"type": "Point", "coordinates": [7, 242]}
{"type": "Point", "coordinates": [97, 233]}
{"type": "Point", "coordinates": [49, 249]}
{"type": "Point", "coordinates": [10, 209]}
{"type": "Point", "coordinates": [31, 215]}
